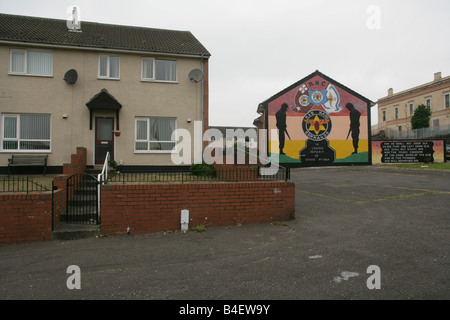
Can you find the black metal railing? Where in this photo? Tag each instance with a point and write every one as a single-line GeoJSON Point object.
{"type": "Point", "coordinates": [20, 184]}
{"type": "Point", "coordinates": [169, 175]}
{"type": "Point", "coordinates": [82, 204]}
{"type": "Point", "coordinates": [275, 172]}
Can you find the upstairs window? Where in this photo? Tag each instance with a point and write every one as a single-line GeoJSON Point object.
{"type": "Point", "coordinates": [25, 132]}
{"type": "Point", "coordinates": [108, 67]}
{"type": "Point", "coordinates": [31, 62]}
{"type": "Point", "coordinates": [447, 101]}
{"type": "Point", "coordinates": [159, 70]}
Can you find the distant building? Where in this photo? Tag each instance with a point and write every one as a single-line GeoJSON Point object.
{"type": "Point", "coordinates": [396, 109]}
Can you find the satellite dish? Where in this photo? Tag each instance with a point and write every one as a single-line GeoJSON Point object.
{"type": "Point", "coordinates": [196, 75]}
{"type": "Point", "coordinates": [71, 76]}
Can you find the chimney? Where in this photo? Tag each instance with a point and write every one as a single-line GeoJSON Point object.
{"type": "Point", "coordinates": [437, 76]}
{"type": "Point", "coordinates": [390, 92]}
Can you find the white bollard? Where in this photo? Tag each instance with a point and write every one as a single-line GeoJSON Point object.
{"type": "Point", "coordinates": [184, 220]}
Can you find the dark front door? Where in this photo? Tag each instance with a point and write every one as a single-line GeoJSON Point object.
{"type": "Point", "coordinates": [104, 139]}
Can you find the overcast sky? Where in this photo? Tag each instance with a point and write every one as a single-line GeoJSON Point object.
{"type": "Point", "coordinates": [260, 47]}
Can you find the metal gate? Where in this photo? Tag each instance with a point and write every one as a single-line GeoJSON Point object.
{"type": "Point", "coordinates": [82, 200]}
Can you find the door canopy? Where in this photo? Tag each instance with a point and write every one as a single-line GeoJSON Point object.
{"type": "Point", "coordinates": [104, 101]}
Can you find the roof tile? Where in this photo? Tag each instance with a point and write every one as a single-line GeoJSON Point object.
{"type": "Point", "coordinates": [98, 35]}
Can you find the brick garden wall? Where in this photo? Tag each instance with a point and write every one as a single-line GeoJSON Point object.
{"type": "Point", "coordinates": [155, 208]}
{"type": "Point", "coordinates": [27, 218]}
{"type": "Point", "coordinates": [231, 172]}
{"type": "Point", "coordinates": [148, 208]}
{"type": "Point", "coordinates": [77, 162]}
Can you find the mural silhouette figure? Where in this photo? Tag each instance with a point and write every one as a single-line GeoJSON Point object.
{"type": "Point", "coordinates": [280, 116]}
{"type": "Point", "coordinates": [354, 125]}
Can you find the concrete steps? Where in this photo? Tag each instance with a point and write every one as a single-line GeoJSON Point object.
{"type": "Point", "coordinates": [69, 231]}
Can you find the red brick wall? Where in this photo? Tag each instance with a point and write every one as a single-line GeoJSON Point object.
{"type": "Point", "coordinates": [77, 162]}
{"type": "Point", "coordinates": [231, 172]}
{"type": "Point", "coordinates": [27, 218]}
{"type": "Point", "coordinates": [59, 205]}
{"type": "Point", "coordinates": [155, 208]}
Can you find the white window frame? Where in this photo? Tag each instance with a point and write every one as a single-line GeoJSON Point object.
{"type": "Point", "coordinates": [446, 100]}
{"type": "Point", "coordinates": [25, 63]}
{"type": "Point", "coordinates": [148, 141]}
{"type": "Point", "coordinates": [108, 67]}
{"type": "Point", "coordinates": [153, 78]}
{"type": "Point", "coordinates": [428, 103]}
{"type": "Point", "coordinates": [153, 69]}
{"type": "Point", "coordinates": [18, 139]}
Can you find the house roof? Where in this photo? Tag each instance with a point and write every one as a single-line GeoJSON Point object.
{"type": "Point", "coordinates": [317, 72]}
{"type": "Point", "coordinates": [414, 91]}
{"type": "Point", "coordinates": [45, 31]}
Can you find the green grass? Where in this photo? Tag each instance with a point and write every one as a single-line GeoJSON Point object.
{"type": "Point", "coordinates": [435, 166]}
{"type": "Point", "coordinates": [18, 182]}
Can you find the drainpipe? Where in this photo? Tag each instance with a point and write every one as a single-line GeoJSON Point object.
{"type": "Point", "coordinates": [202, 105]}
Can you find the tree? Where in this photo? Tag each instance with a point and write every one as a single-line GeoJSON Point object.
{"type": "Point", "coordinates": [421, 117]}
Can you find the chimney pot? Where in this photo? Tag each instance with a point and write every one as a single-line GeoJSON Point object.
{"type": "Point", "coordinates": [437, 76]}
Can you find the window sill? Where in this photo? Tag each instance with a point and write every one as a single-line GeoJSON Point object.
{"type": "Point", "coordinates": [29, 75]}
{"type": "Point", "coordinates": [158, 81]}
{"type": "Point", "coordinates": [105, 78]}
{"type": "Point", "coordinates": [155, 152]}
{"type": "Point", "coordinates": [26, 151]}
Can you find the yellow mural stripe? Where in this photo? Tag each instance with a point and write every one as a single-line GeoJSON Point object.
{"type": "Point", "coordinates": [343, 148]}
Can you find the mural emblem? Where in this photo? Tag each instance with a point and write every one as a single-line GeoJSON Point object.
{"type": "Point", "coordinates": [318, 97]}
{"type": "Point", "coordinates": [304, 100]}
{"type": "Point", "coordinates": [317, 125]}
{"type": "Point", "coordinates": [328, 99]}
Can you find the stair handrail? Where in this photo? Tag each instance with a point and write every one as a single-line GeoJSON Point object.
{"type": "Point", "coordinates": [102, 179]}
{"type": "Point", "coordinates": [103, 176]}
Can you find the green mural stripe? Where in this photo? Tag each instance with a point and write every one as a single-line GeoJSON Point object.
{"type": "Point", "coordinates": [354, 158]}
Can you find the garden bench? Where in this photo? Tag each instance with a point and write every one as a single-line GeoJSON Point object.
{"type": "Point", "coordinates": [27, 160]}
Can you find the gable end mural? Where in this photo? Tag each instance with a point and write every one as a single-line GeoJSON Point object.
{"type": "Point", "coordinates": [319, 122]}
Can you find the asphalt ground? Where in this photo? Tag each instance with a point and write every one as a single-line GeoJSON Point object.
{"type": "Point", "coordinates": [347, 220]}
